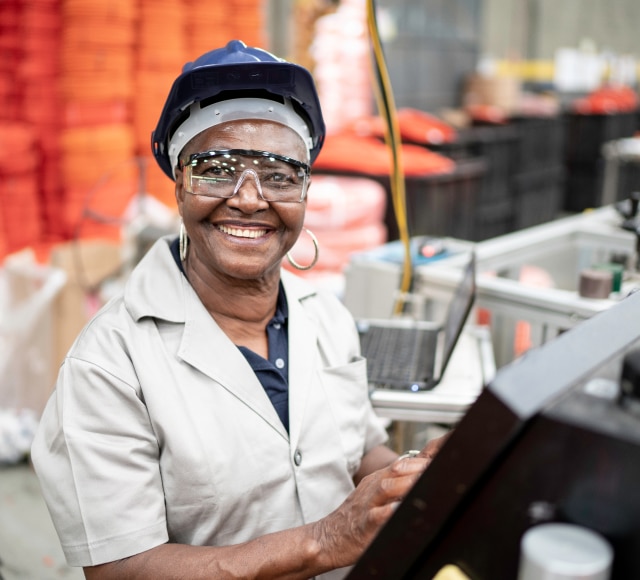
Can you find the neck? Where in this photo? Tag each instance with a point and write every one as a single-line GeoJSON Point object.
{"type": "Point", "coordinates": [237, 304]}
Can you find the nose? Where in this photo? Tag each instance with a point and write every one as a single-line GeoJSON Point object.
{"type": "Point", "coordinates": [247, 194]}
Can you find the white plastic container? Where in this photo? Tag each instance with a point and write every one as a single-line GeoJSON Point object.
{"type": "Point", "coordinates": [557, 551]}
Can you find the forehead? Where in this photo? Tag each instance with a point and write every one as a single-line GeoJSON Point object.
{"type": "Point", "coordinates": [250, 134]}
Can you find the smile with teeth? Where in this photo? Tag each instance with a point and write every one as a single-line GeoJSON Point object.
{"type": "Point", "coordinates": [242, 233]}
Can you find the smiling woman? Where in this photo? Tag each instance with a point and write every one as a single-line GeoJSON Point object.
{"type": "Point", "coordinates": [239, 234]}
{"type": "Point", "coordinates": [220, 404]}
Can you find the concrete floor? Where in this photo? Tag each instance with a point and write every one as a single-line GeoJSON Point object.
{"type": "Point", "coordinates": [29, 547]}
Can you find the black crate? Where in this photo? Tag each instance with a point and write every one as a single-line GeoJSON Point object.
{"type": "Point", "coordinates": [583, 185]}
{"type": "Point", "coordinates": [458, 149]}
{"type": "Point", "coordinates": [497, 146]}
{"type": "Point", "coordinates": [541, 143]}
{"type": "Point", "coordinates": [586, 134]}
{"type": "Point", "coordinates": [440, 205]}
{"type": "Point", "coordinates": [628, 179]}
{"type": "Point", "coordinates": [493, 219]}
{"type": "Point", "coordinates": [538, 196]}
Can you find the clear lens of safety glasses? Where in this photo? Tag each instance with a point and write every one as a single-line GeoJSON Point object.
{"type": "Point", "coordinates": [221, 173]}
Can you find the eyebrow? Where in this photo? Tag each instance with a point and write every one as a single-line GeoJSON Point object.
{"type": "Point", "coordinates": [248, 153]}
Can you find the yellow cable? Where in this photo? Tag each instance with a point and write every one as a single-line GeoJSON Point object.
{"type": "Point", "coordinates": [384, 98]}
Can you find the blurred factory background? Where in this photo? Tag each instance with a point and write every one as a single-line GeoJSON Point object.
{"type": "Point", "coordinates": [512, 113]}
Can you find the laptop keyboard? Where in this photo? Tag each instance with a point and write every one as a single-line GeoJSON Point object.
{"type": "Point", "coordinates": [398, 357]}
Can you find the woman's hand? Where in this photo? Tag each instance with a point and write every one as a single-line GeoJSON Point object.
{"type": "Point", "coordinates": [431, 449]}
{"type": "Point", "coordinates": [345, 533]}
{"type": "Point", "coordinates": [352, 527]}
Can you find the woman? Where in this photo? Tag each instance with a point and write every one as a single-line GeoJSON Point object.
{"type": "Point", "coordinates": [214, 421]}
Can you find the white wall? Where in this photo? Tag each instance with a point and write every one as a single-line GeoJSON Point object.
{"type": "Point", "coordinates": [533, 29]}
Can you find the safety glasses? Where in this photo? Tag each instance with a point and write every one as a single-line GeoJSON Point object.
{"type": "Point", "coordinates": [221, 173]}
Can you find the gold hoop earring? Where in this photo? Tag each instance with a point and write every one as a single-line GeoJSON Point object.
{"type": "Point", "coordinates": [184, 242]}
{"type": "Point", "coordinates": [315, 257]}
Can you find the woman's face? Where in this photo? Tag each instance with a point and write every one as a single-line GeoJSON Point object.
{"type": "Point", "coordinates": [242, 237]}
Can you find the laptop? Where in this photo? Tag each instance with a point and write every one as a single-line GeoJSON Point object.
{"type": "Point", "coordinates": [412, 355]}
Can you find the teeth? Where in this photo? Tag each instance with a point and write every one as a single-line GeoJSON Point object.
{"type": "Point", "coordinates": [240, 233]}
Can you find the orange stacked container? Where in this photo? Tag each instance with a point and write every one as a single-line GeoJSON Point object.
{"type": "Point", "coordinates": [160, 54]}
{"type": "Point", "coordinates": [21, 167]}
{"type": "Point", "coordinates": [234, 19]}
{"type": "Point", "coordinates": [211, 29]}
{"type": "Point", "coordinates": [10, 57]}
{"type": "Point", "coordinates": [247, 21]}
{"type": "Point", "coordinates": [39, 71]}
{"type": "Point", "coordinates": [99, 175]}
{"type": "Point", "coordinates": [19, 178]}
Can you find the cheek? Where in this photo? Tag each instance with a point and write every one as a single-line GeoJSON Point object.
{"type": "Point", "coordinates": [196, 208]}
{"type": "Point", "coordinates": [294, 218]}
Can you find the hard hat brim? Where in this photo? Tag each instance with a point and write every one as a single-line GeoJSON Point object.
{"type": "Point", "coordinates": [280, 79]}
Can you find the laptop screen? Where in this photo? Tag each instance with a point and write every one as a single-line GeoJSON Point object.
{"type": "Point", "coordinates": [401, 352]}
{"type": "Point", "coordinates": [458, 310]}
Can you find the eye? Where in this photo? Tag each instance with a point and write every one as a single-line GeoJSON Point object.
{"type": "Point", "coordinates": [281, 176]}
{"type": "Point", "coordinates": [214, 171]}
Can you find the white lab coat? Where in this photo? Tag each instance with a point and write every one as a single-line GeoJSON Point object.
{"type": "Point", "coordinates": [159, 430]}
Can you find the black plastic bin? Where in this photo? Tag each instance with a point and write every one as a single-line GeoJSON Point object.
{"type": "Point", "coordinates": [442, 205]}
{"type": "Point", "coordinates": [628, 178]}
{"type": "Point", "coordinates": [493, 219]}
{"type": "Point", "coordinates": [498, 146]}
{"type": "Point", "coordinates": [538, 196]}
{"type": "Point", "coordinates": [586, 134]}
{"type": "Point", "coordinates": [583, 185]}
{"type": "Point", "coordinates": [437, 205]}
{"type": "Point", "coordinates": [541, 142]}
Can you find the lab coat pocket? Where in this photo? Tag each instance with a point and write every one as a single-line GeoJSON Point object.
{"type": "Point", "coordinates": [347, 392]}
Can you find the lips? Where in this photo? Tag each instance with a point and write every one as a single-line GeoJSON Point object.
{"type": "Point", "coordinates": [242, 232]}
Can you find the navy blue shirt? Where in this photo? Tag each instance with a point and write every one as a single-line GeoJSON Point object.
{"type": "Point", "coordinates": [273, 373]}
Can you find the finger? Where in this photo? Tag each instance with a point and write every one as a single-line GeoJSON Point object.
{"type": "Point", "coordinates": [395, 488]}
{"type": "Point", "coordinates": [408, 465]}
{"type": "Point", "coordinates": [390, 484]}
{"type": "Point", "coordinates": [379, 515]}
{"type": "Point", "coordinates": [431, 449]}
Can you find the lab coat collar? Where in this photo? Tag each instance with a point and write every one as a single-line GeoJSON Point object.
{"type": "Point", "coordinates": [157, 289]}
{"type": "Point", "coordinates": [156, 286]}
{"type": "Point", "coordinates": [303, 352]}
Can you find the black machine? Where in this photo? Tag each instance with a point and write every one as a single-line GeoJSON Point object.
{"type": "Point", "coordinates": [555, 437]}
